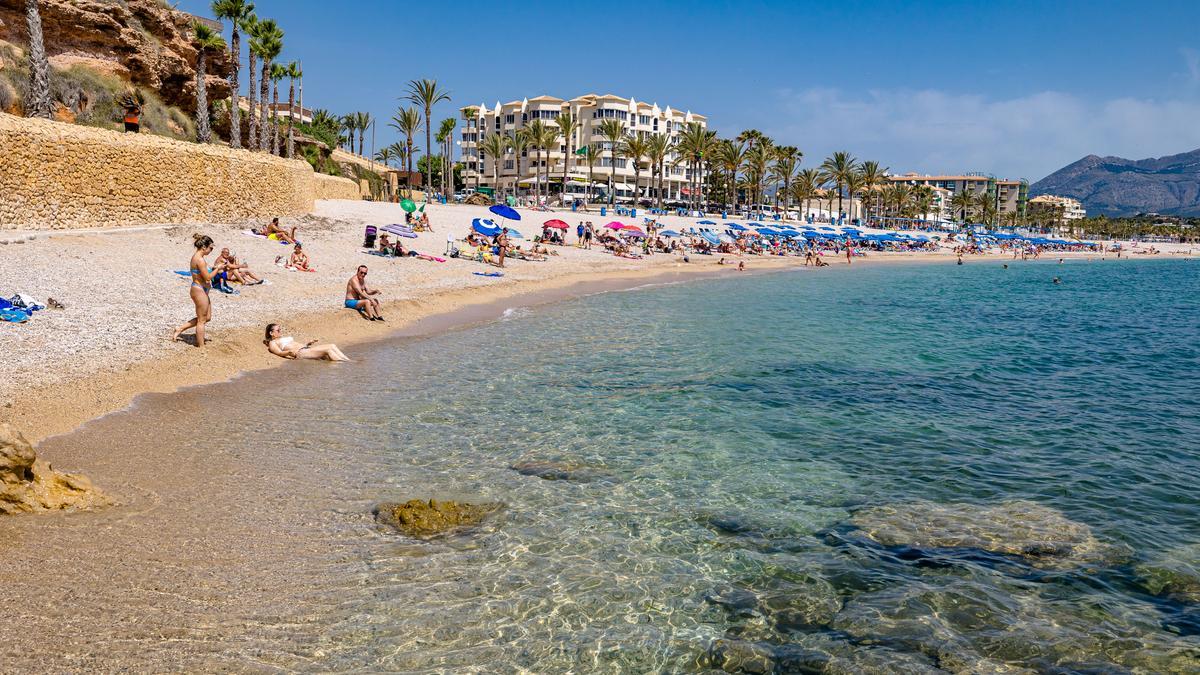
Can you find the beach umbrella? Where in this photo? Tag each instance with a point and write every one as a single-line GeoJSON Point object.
{"type": "Point", "coordinates": [485, 227]}
{"type": "Point", "coordinates": [615, 225]}
{"type": "Point", "coordinates": [513, 234]}
{"type": "Point", "coordinates": [668, 233]}
{"type": "Point", "coordinates": [706, 222]}
{"type": "Point", "coordinates": [408, 205]}
{"type": "Point", "coordinates": [736, 226]}
{"type": "Point", "coordinates": [556, 224]}
{"type": "Point", "coordinates": [506, 212]}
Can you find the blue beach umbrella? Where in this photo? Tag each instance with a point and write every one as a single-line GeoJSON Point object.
{"type": "Point", "coordinates": [736, 226]}
{"type": "Point", "coordinates": [668, 233]}
{"type": "Point", "coordinates": [706, 222]}
{"type": "Point", "coordinates": [505, 212]}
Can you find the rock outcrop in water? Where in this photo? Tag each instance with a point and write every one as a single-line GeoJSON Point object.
{"type": "Point", "coordinates": [1174, 574]}
{"type": "Point", "coordinates": [1042, 536]}
{"type": "Point", "coordinates": [418, 518]}
{"type": "Point", "coordinates": [28, 484]}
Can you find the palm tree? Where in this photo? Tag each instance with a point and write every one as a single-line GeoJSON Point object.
{"type": "Point", "coordinates": [872, 177]}
{"type": "Point", "coordinates": [922, 200]}
{"type": "Point", "coordinates": [962, 203]}
{"type": "Point", "coordinates": [445, 135]}
{"type": "Point", "coordinates": [347, 123]}
{"type": "Point", "coordinates": [206, 40]}
{"type": "Point", "coordinates": [694, 142]}
{"type": "Point", "coordinates": [838, 168]}
{"type": "Point", "coordinates": [807, 186]}
{"type": "Point", "coordinates": [855, 185]}
{"type": "Point", "coordinates": [426, 93]}
{"type": "Point", "coordinates": [38, 103]}
{"type": "Point", "coordinates": [293, 72]}
{"type": "Point", "coordinates": [986, 207]}
{"type": "Point", "coordinates": [494, 145]}
{"type": "Point", "coordinates": [269, 40]}
{"type": "Point", "coordinates": [613, 132]}
{"type": "Point", "coordinates": [362, 122]}
{"type": "Point", "coordinates": [407, 121]}
{"type": "Point", "coordinates": [567, 124]}
{"type": "Point", "coordinates": [783, 172]}
{"type": "Point", "coordinates": [750, 137]}
{"type": "Point", "coordinates": [236, 11]}
{"type": "Point", "coordinates": [758, 160]}
{"type": "Point", "coordinates": [635, 148]}
{"type": "Point", "coordinates": [384, 155]}
{"type": "Point", "coordinates": [592, 154]}
{"type": "Point", "coordinates": [658, 146]}
{"type": "Point", "coordinates": [519, 143]}
{"type": "Point", "coordinates": [471, 113]}
{"type": "Point", "coordinates": [278, 72]}
{"type": "Point", "coordinates": [539, 139]}
{"type": "Point", "coordinates": [730, 155]}
{"type": "Point", "coordinates": [250, 25]}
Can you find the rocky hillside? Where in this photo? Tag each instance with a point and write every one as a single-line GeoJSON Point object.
{"type": "Point", "coordinates": [1114, 186]}
{"type": "Point", "coordinates": [98, 46]}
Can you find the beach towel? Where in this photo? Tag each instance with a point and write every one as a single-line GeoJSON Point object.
{"type": "Point", "coordinates": [13, 315]}
{"type": "Point", "coordinates": [399, 231]}
{"type": "Point", "coordinates": [488, 274]}
{"type": "Point", "coordinates": [434, 258]}
{"type": "Point", "coordinates": [259, 236]}
{"type": "Point", "coordinates": [24, 302]}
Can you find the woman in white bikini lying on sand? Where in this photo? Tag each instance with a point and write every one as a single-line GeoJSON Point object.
{"type": "Point", "coordinates": [286, 347]}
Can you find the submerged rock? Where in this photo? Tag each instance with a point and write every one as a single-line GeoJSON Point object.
{"type": "Point", "coordinates": [1039, 534]}
{"type": "Point", "coordinates": [1174, 574]}
{"type": "Point", "coordinates": [28, 484]}
{"type": "Point", "coordinates": [418, 518]}
{"type": "Point", "coordinates": [576, 473]}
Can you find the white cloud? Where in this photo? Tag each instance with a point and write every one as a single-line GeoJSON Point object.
{"type": "Point", "coordinates": [937, 131]}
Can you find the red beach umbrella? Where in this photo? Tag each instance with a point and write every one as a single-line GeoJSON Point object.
{"type": "Point", "coordinates": [556, 224]}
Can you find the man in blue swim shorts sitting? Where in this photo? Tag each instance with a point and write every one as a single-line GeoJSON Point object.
{"type": "Point", "coordinates": [361, 298]}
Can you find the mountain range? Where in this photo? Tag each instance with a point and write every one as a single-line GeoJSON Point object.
{"type": "Point", "coordinates": [1114, 186]}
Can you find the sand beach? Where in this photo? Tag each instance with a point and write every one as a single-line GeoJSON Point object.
{"type": "Point", "coordinates": [122, 298]}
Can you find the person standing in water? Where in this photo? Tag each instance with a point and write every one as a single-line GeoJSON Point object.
{"type": "Point", "coordinates": [202, 278]}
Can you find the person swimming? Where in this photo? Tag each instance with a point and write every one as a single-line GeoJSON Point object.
{"type": "Point", "coordinates": [1057, 280]}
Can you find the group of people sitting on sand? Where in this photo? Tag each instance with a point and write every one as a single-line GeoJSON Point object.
{"type": "Point", "coordinates": [418, 223]}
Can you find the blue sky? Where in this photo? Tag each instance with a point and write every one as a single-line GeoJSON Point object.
{"type": "Point", "coordinates": [1016, 88]}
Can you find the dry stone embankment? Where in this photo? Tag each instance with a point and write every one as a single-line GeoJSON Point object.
{"type": "Point", "coordinates": [59, 176]}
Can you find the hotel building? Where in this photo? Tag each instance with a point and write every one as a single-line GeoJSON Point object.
{"type": "Point", "coordinates": [589, 110]}
{"type": "Point", "coordinates": [1054, 211]}
{"type": "Point", "coordinates": [1011, 196]}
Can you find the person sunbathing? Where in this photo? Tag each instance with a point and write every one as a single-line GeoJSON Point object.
{"type": "Point", "coordinates": [384, 245]}
{"type": "Point", "coordinates": [423, 224]}
{"type": "Point", "coordinates": [286, 347]}
{"type": "Point", "coordinates": [273, 228]}
{"type": "Point", "coordinates": [299, 260]}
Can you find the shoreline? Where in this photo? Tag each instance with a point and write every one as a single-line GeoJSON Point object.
{"type": "Point", "coordinates": [47, 409]}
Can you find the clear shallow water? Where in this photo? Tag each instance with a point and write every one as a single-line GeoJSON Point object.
{"type": "Point", "coordinates": [729, 435]}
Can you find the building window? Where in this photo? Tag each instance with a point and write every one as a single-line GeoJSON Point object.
{"type": "Point", "coordinates": [510, 119]}
{"type": "Point", "coordinates": [497, 123]}
{"type": "Point", "coordinates": [643, 119]}
{"type": "Point", "coordinates": [508, 164]}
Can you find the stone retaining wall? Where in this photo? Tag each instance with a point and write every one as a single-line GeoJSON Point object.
{"type": "Point", "coordinates": [333, 187]}
{"type": "Point", "coordinates": [56, 176]}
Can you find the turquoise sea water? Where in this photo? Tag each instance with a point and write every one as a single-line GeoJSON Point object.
{"type": "Point", "coordinates": [799, 472]}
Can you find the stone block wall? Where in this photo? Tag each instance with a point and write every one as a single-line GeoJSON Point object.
{"type": "Point", "coordinates": [333, 187]}
{"type": "Point", "coordinates": [58, 176]}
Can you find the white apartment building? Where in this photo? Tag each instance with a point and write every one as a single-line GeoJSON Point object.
{"type": "Point", "coordinates": [1071, 209]}
{"type": "Point", "coordinates": [589, 110]}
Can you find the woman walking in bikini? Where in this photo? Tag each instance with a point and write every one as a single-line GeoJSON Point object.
{"type": "Point", "coordinates": [201, 283]}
